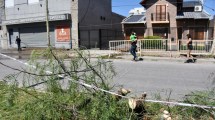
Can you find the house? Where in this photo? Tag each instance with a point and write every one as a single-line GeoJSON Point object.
{"type": "Point", "coordinates": [72, 23]}
{"type": "Point", "coordinates": [212, 28]}
{"type": "Point", "coordinates": [135, 22]}
{"type": "Point", "coordinates": [173, 19]}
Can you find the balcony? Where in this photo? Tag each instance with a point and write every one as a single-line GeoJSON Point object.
{"type": "Point", "coordinates": [160, 17]}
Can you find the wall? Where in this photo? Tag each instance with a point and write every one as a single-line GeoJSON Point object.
{"type": "Point", "coordinates": [25, 10]}
{"type": "Point", "coordinates": [96, 20]}
{"type": "Point", "coordinates": [94, 14]}
{"type": "Point", "coordinates": [22, 9]}
{"type": "Point", "coordinates": [35, 34]}
{"type": "Point", "coordinates": [116, 21]}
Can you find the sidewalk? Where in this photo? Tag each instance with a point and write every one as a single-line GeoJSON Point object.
{"type": "Point", "coordinates": [168, 59]}
{"type": "Point", "coordinates": [164, 57]}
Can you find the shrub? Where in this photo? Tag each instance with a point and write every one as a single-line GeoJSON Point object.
{"type": "Point", "coordinates": [152, 37]}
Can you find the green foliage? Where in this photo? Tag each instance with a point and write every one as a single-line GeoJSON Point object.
{"type": "Point", "coordinates": [201, 98]}
{"type": "Point", "coordinates": [61, 98]}
{"type": "Point", "coordinates": [152, 37]}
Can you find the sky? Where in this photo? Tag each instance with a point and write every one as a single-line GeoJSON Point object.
{"type": "Point", "coordinates": [123, 7]}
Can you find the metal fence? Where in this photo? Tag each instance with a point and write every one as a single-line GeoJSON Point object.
{"type": "Point", "coordinates": [154, 45]}
{"type": "Point", "coordinates": [123, 46]}
{"type": "Point", "coordinates": [199, 46]}
{"type": "Point", "coordinates": [162, 45]}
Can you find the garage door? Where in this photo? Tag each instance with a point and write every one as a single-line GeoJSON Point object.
{"type": "Point", "coordinates": [36, 37]}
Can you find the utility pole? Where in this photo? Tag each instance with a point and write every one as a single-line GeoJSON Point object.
{"type": "Point", "coordinates": [47, 24]}
{"type": "Point", "coordinates": [74, 15]}
{"type": "Point", "coordinates": [3, 38]}
{"type": "Point", "coordinates": [213, 47]}
{"type": "Point", "coordinates": [214, 28]}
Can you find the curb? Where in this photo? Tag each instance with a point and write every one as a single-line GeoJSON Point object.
{"type": "Point", "coordinates": [168, 59]}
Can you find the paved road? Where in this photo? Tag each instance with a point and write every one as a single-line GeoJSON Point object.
{"type": "Point", "coordinates": [152, 77]}
{"type": "Point", "coordinates": [162, 77]}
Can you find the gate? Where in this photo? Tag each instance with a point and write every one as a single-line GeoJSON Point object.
{"type": "Point", "coordinates": [98, 38]}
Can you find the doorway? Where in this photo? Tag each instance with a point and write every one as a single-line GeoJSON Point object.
{"type": "Point", "coordinates": [10, 36]}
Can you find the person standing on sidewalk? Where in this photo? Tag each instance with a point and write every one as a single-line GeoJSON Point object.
{"type": "Point", "coordinates": [18, 42]}
{"type": "Point", "coordinates": [190, 48]}
{"type": "Point", "coordinates": [133, 39]}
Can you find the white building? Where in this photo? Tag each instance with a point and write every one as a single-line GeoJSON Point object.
{"type": "Point", "coordinates": [137, 11]}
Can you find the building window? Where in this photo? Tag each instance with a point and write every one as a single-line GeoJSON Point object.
{"type": "Point", "coordinates": [33, 1]}
{"type": "Point", "coordinates": [161, 32]}
{"type": "Point", "coordinates": [197, 33]}
{"type": "Point", "coordinates": [9, 3]}
{"type": "Point", "coordinates": [160, 12]}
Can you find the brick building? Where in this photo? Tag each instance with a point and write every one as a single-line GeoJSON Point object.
{"type": "Point", "coordinates": [173, 19]}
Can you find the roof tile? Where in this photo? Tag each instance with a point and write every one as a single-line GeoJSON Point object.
{"type": "Point", "coordinates": [193, 15]}
{"type": "Point", "coordinates": [135, 19]}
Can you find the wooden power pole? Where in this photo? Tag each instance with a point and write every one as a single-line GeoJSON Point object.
{"type": "Point", "coordinates": [47, 24]}
{"type": "Point", "coordinates": [4, 39]}
{"type": "Point", "coordinates": [74, 15]}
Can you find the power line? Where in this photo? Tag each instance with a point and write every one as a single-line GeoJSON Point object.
{"type": "Point", "coordinates": [210, 8]}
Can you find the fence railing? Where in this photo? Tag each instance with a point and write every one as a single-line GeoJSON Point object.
{"type": "Point", "coordinates": [162, 45]}
{"type": "Point", "coordinates": [199, 46]}
{"type": "Point", "coordinates": [154, 45]}
{"type": "Point", "coordinates": [123, 45]}
{"type": "Point", "coordinates": [143, 45]}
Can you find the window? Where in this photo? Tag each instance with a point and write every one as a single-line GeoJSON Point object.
{"type": "Point", "coordinates": [33, 1]}
{"type": "Point", "coordinates": [179, 7]}
{"type": "Point", "coordinates": [197, 33]}
{"type": "Point", "coordinates": [161, 31]}
{"type": "Point", "coordinates": [160, 12]}
{"type": "Point", "coordinates": [9, 3]}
